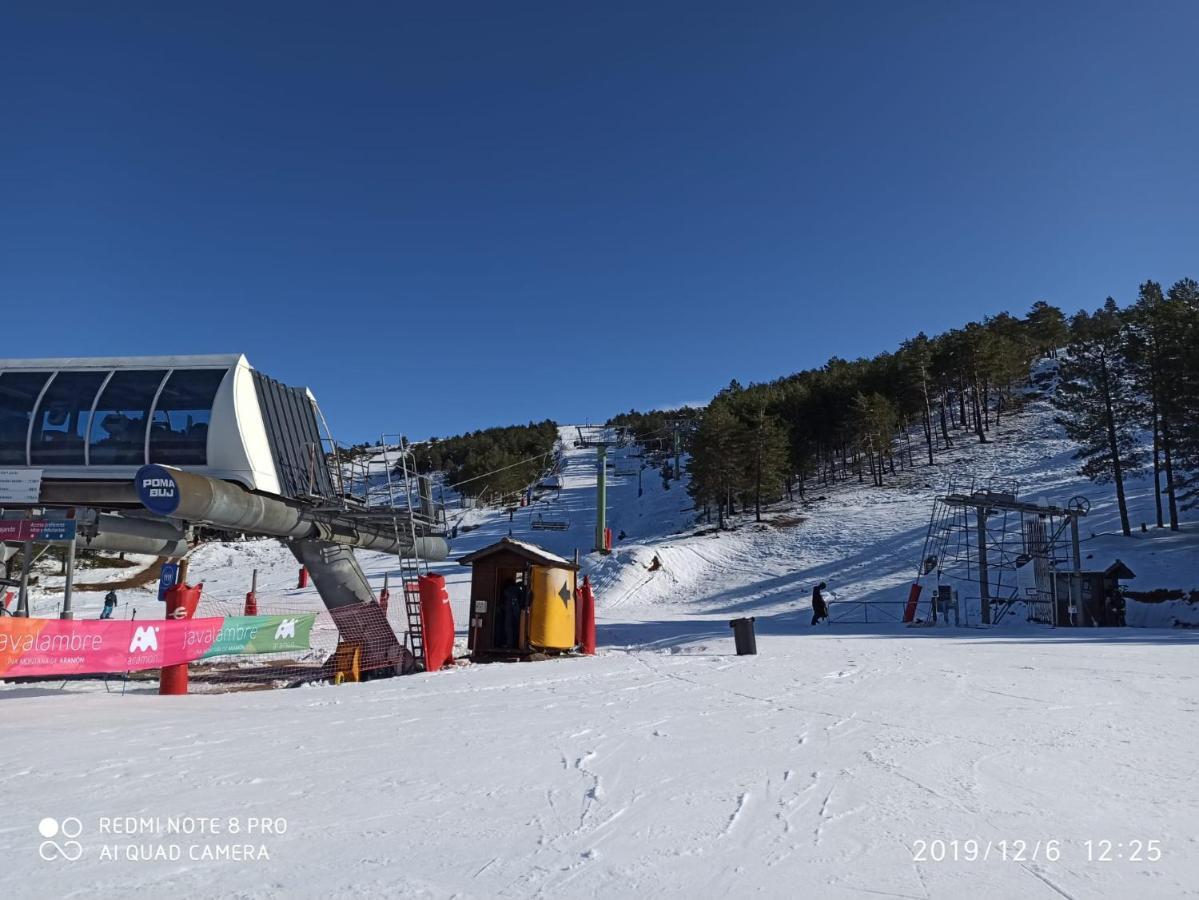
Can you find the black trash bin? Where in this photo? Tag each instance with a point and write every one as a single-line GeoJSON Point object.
{"type": "Point", "coordinates": [743, 636]}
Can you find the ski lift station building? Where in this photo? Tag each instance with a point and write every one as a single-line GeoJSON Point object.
{"type": "Point", "coordinates": [145, 449]}
{"type": "Point", "coordinates": [233, 449]}
{"type": "Point", "coordinates": [101, 419]}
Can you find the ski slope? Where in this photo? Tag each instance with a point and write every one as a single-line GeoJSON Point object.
{"type": "Point", "coordinates": [828, 766]}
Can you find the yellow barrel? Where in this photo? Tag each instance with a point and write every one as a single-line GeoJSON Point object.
{"type": "Point", "coordinates": [552, 625]}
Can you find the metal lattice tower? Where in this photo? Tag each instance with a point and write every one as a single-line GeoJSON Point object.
{"type": "Point", "coordinates": [986, 543]}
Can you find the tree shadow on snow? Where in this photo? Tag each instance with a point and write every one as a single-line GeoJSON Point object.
{"type": "Point", "coordinates": [799, 584]}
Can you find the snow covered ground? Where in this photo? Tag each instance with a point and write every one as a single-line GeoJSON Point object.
{"type": "Point", "coordinates": [829, 765]}
{"type": "Point", "coordinates": [812, 769]}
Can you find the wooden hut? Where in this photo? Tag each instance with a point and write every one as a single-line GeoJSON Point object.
{"type": "Point", "coordinates": [522, 600]}
{"type": "Point", "coordinates": [1100, 593]}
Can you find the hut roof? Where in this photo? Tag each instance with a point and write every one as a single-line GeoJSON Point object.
{"type": "Point", "coordinates": [534, 554]}
{"type": "Point", "coordinates": [1119, 570]}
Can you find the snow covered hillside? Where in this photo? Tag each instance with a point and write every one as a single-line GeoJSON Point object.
{"type": "Point", "coordinates": [830, 765]}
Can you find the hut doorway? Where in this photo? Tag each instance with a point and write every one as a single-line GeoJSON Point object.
{"type": "Point", "coordinates": [509, 616]}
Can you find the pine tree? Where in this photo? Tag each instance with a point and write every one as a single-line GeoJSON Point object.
{"type": "Point", "coordinates": [1097, 394]}
{"type": "Point", "coordinates": [794, 399]}
{"type": "Point", "coordinates": [1181, 397]}
{"type": "Point", "coordinates": [715, 464]}
{"type": "Point", "coordinates": [765, 451]}
{"type": "Point", "coordinates": [876, 421]}
{"type": "Point", "coordinates": [1006, 354]}
{"type": "Point", "coordinates": [1080, 326]}
{"type": "Point", "coordinates": [1146, 349]}
{"type": "Point", "coordinates": [974, 370]}
{"type": "Point", "coordinates": [1047, 328]}
{"type": "Point", "coordinates": [918, 358]}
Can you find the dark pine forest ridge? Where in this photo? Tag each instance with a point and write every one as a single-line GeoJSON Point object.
{"type": "Point", "coordinates": [1128, 392]}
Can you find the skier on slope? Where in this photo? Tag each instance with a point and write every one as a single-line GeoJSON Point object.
{"type": "Point", "coordinates": [819, 605]}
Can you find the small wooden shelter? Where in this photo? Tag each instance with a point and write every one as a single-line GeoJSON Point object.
{"type": "Point", "coordinates": [1100, 593]}
{"type": "Point", "coordinates": [522, 600]}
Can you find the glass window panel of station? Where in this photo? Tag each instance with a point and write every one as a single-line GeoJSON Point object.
{"type": "Point", "coordinates": [18, 394]}
{"type": "Point", "coordinates": [60, 425]}
{"type": "Point", "coordinates": [118, 433]}
{"type": "Point", "coordinates": [179, 429]}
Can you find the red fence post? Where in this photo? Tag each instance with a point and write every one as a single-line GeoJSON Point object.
{"type": "Point", "coordinates": [182, 601]}
{"type": "Point", "coordinates": [303, 580]}
{"type": "Point", "coordinates": [587, 617]}
{"type": "Point", "coordinates": [252, 596]}
{"type": "Point", "coordinates": [909, 611]}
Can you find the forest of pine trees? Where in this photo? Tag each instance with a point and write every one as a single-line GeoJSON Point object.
{"type": "Point", "coordinates": [508, 458]}
{"type": "Point", "coordinates": [654, 429]}
{"type": "Point", "coordinates": [1128, 396]}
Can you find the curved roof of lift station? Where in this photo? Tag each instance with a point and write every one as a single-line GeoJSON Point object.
{"type": "Point", "coordinates": [101, 418]}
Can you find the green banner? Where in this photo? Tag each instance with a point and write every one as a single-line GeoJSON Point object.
{"type": "Point", "coordinates": [262, 634]}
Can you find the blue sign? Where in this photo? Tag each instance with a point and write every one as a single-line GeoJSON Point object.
{"type": "Point", "coordinates": [41, 531]}
{"type": "Point", "coordinates": [168, 579]}
{"type": "Point", "coordinates": [157, 489]}
{"type": "Point", "coordinates": [52, 530]}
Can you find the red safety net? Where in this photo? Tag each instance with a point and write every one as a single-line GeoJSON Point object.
{"type": "Point", "coordinates": [378, 634]}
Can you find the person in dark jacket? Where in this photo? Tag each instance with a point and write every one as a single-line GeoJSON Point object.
{"type": "Point", "coordinates": [819, 605]}
{"type": "Point", "coordinates": [110, 604]}
{"type": "Point", "coordinates": [512, 604]}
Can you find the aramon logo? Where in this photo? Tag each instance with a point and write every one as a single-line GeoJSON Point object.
{"type": "Point", "coordinates": [286, 629]}
{"type": "Point", "coordinates": [144, 638]}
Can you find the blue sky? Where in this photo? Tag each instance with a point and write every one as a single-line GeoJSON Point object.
{"type": "Point", "coordinates": [445, 216]}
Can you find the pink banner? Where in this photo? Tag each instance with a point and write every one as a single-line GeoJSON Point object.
{"type": "Point", "coordinates": [57, 647]}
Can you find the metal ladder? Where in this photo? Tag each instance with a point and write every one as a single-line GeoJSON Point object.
{"type": "Point", "coordinates": [410, 566]}
{"type": "Point", "coordinates": [416, 634]}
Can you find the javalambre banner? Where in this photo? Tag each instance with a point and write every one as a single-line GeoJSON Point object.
{"type": "Point", "coordinates": [55, 647]}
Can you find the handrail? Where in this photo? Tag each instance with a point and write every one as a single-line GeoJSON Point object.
{"type": "Point", "coordinates": [865, 607]}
